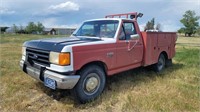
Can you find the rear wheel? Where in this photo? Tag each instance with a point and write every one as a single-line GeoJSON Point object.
{"type": "Point", "coordinates": [161, 63]}
{"type": "Point", "coordinates": [91, 84]}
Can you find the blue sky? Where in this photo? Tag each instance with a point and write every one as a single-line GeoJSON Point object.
{"type": "Point", "coordinates": [71, 13]}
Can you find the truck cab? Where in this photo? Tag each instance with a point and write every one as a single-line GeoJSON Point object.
{"type": "Point", "coordinates": [97, 49]}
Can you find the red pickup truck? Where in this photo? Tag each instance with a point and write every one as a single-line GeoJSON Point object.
{"type": "Point", "coordinates": [99, 48]}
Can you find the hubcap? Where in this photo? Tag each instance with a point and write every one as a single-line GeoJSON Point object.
{"type": "Point", "coordinates": [91, 83]}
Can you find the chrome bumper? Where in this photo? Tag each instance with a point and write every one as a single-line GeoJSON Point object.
{"type": "Point", "coordinates": [62, 81]}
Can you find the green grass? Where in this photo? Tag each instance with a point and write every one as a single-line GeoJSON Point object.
{"type": "Point", "coordinates": [20, 38]}
{"type": "Point", "coordinates": [174, 89]}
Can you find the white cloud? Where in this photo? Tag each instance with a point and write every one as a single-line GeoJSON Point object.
{"type": "Point", "coordinates": [64, 7]}
{"type": "Point", "coordinates": [6, 11]}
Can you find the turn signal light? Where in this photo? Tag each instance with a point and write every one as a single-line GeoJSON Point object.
{"type": "Point", "coordinates": [60, 58]}
{"type": "Point", "coordinates": [64, 59]}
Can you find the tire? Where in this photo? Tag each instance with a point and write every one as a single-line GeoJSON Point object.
{"type": "Point", "coordinates": [158, 67]}
{"type": "Point", "coordinates": [90, 85]}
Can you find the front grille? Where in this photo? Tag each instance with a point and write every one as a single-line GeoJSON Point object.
{"type": "Point", "coordinates": [36, 56]}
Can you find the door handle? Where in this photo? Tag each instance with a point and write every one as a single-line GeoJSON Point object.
{"type": "Point", "coordinates": [129, 49]}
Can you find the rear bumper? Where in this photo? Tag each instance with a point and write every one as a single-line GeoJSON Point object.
{"type": "Point", "coordinates": [62, 81]}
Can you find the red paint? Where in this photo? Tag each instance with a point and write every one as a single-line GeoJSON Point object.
{"type": "Point", "coordinates": [121, 15]}
{"type": "Point", "coordinates": [91, 53]}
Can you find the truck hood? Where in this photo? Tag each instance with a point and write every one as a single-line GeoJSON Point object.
{"type": "Point", "coordinates": [57, 44]}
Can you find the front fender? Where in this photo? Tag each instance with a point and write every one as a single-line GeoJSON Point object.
{"type": "Point", "coordinates": [83, 62]}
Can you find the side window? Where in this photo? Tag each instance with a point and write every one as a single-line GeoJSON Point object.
{"type": "Point", "coordinates": [129, 30]}
{"type": "Point", "coordinates": [108, 30]}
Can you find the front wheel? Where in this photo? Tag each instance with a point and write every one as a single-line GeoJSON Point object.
{"type": "Point", "coordinates": [160, 65]}
{"type": "Point", "coordinates": [91, 83]}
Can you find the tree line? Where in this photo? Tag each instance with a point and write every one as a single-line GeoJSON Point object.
{"type": "Point", "coordinates": [150, 26]}
{"type": "Point", "coordinates": [31, 28]}
{"type": "Point", "coordinates": [189, 21]}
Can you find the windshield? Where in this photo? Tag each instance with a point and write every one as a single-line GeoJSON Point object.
{"type": "Point", "coordinates": [102, 28]}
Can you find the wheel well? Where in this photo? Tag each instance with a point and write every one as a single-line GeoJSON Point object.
{"type": "Point", "coordinates": [165, 54]}
{"type": "Point", "coordinates": [98, 63]}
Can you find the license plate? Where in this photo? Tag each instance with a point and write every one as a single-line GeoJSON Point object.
{"type": "Point", "coordinates": [50, 83]}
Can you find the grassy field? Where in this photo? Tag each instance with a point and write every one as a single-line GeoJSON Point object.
{"type": "Point", "coordinates": [175, 89]}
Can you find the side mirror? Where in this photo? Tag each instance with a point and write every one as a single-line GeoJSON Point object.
{"type": "Point", "coordinates": [139, 15]}
{"type": "Point", "coordinates": [135, 36]}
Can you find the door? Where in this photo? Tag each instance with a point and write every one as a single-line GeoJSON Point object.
{"type": "Point", "coordinates": [129, 50]}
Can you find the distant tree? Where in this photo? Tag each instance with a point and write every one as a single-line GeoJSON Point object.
{"type": "Point", "coordinates": [181, 30]}
{"type": "Point", "coordinates": [150, 25]}
{"type": "Point", "coordinates": [31, 27]}
{"type": "Point", "coordinates": [15, 28]}
{"type": "Point", "coordinates": [40, 27]}
{"type": "Point", "coordinates": [198, 30]}
{"type": "Point", "coordinates": [190, 22]}
{"type": "Point", "coordinates": [21, 30]}
{"type": "Point", "coordinates": [34, 28]}
{"type": "Point", "coordinates": [20, 27]}
{"type": "Point", "coordinates": [159, 27]}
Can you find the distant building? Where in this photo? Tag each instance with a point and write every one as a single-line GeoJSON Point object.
{"type": "Point", "coordinates": [64, 31]}
{"type": "Point", "coordinates": [59, 31]}
{"type": "Point", "coordinates": [10, 30]}
{"type": "Point", "coordinates": [20, 29]}
{"type": "Point", "coordinates": [49, 31]}
{"type": "Point", "coordinates": [3, 29]}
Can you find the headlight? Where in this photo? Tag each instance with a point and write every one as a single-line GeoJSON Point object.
{"type": "Point", "coordinates": [60, 58]}
{"type": "Point", "coordinates": [23, 50]}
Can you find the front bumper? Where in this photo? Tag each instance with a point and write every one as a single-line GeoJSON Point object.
{"type": "Point", "coordinates": [62, 81]}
